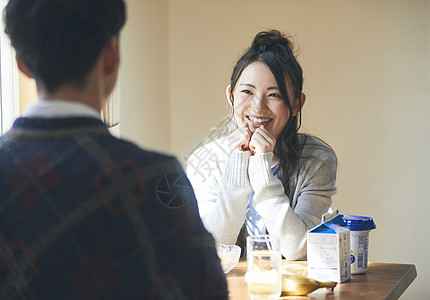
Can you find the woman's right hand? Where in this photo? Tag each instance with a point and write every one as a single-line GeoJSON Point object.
{"type": "Point", "coordinates": [239, 139]}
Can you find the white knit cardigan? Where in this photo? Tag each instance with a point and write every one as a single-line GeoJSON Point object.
{"type": "Point", "coordinates": [223, 181]}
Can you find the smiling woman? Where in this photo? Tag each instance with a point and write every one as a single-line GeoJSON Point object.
{"type": "Point", "coordinates": [258, 104]}
{"type": "Point", "coordinates": [257, 175]}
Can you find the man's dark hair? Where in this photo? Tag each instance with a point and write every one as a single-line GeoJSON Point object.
{"type": "Point", "coordinates": [59, 41]}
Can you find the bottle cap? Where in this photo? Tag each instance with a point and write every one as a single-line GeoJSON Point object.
{"type": "Point", "coordinates": [358, 223]}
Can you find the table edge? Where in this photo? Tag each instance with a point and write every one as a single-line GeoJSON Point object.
{"type": "Point", "coordinates": [403, 284]}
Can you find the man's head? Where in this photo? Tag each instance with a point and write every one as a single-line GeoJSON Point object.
{"type": "Point", "coordinates": [59, 41]}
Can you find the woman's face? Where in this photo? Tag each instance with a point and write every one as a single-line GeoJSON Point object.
{"type": "Point", "coordinates": [258, 101]}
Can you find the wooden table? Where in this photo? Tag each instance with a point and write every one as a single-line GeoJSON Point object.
{"type": "Point", "coordinates": [382, 281]}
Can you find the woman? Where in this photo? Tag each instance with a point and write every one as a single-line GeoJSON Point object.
{"type": "Point", "coordinates": [257, 174]}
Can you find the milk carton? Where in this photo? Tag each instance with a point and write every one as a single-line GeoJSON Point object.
{"type": "Point", "coordinates": [328, 248]}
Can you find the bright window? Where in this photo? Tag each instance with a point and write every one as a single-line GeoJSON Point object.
{"type": "Point", "coordinates": [9, 84]}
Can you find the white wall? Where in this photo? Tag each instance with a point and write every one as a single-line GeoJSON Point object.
{"type": "Point", "coordinates": [367, 80]}
{"type": "Point", "coordinates": [144, 79]}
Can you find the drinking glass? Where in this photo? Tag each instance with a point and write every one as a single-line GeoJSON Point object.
{"type": "Point", "coordinates": [264, 267]}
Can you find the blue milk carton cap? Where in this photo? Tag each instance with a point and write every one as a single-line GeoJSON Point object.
{"type": "Point", "coordinates": [359, 223]}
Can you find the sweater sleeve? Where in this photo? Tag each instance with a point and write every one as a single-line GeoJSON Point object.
{"type": "Point", "coordinates": [290, 219]}
{"type": "Point", "coordinates": [222, 194]}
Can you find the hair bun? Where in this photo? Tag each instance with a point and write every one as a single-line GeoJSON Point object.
{"type": "Point", "coordinates": [273, 41]}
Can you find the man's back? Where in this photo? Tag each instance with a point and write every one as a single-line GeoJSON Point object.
{"type": "Point", "coordinates": [85, 215]}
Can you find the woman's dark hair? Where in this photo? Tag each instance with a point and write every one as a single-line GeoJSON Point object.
{"type": "Point", "coordinates": [275, 50]}
{"type": "Point", "coordinates": [59, 41]}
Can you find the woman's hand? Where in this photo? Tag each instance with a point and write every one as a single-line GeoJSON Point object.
{"type": "Point", "coordinates": [262, 141]}
{"type": "Point", "coordinates": [239, 139]}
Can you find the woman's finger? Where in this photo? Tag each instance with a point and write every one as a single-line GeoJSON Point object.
{"type": "Point", "coordinates": [262, 141]}
{"type": "Point", "coordinates": [239, 139]}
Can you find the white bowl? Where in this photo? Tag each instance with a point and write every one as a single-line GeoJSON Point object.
{"type": "Point", "coordinates": [229, 256]}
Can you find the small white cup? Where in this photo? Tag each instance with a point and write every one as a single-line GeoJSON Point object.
{"type": "Point", "coordinates": [229, 256]}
